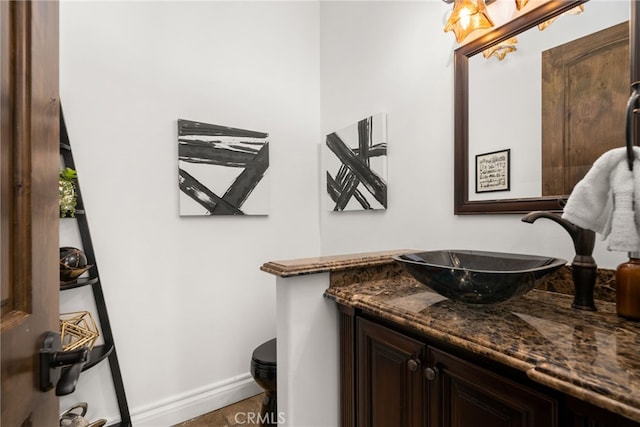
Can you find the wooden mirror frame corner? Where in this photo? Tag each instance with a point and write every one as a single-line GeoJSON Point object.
{"type": "Point", "coordinates": [462, 204]}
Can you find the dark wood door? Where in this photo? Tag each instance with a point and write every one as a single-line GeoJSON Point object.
{"type": "Point", "coordinates": [462, 394]}
{"type": "Point", "coordinates": [585, 88]}
{"type": "Point", "coordinates": [390, 385]}
{"type": "Point", "coordinates": [29, 143]}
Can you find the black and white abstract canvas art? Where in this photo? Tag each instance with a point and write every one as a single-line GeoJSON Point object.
{"type": "Point", "coordinates": [356, 159]}
{"type": "Point", "coordinates": [222, 170]}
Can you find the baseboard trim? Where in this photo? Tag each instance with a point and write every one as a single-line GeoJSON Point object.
{"type": "Point", "coordinates": [195, 403]}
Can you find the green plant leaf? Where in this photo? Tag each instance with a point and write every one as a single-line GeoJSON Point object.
{"type": "Point", "coordinates": [68, 174]}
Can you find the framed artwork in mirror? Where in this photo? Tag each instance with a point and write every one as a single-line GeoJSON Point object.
{"type": "Point", "coordinates": [493, 171]}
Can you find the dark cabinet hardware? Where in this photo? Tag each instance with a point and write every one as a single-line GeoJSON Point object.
{"type": "Point", "coordinates": [431, 373]}
{"type": "Point", "coordinates": [413, 364]}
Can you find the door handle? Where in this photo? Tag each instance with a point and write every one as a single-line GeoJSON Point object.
{"type": "Point", "coordinates": [60, 368]}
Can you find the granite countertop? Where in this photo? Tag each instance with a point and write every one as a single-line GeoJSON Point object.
{"type": "Point", "coordinates": [594, 356]}
{"type": "Point", "coordinates": [331, 263]}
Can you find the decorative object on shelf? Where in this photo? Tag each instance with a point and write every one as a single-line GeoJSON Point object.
{"type": "Point", "coordinates": [77, 330]}
{"type": "Point", "coordinates": [209, 158]}
{"type": "Point", "coordinates": [493, 171]}
{"type": "Point", "coordinates": [67, 192]}
{"type": "Point", "coordinates": [73, 263]}
{"type": "Point", "coordinates": [74, 417]}
{"type": "Point", "coordinates": [356, 163]}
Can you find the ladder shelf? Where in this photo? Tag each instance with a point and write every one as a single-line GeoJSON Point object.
{"type": "Point", "coordinates": [107, 350]}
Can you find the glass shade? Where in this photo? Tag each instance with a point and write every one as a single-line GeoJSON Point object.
{"type": "Point", "coordinates": [575, 11]}
{"type": "Point", "coordinates": [466, 17]}
{"type": "Point", "coordinates": [501, 50]}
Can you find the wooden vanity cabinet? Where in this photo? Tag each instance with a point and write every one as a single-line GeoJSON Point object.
{"type": "Point", "coordinates": [463, 394]}
{"type": "Point", "coordinates": [390, 384]}
{"type": "Point", "coordinates": [390, 377]}
{"type": "Point", "coordinates": [401, 381]}
{"type": "Point", "coordinates": [577, 413]}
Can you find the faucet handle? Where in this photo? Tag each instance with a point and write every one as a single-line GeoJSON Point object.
{"type": "Point", "coordinates": [583, 267]}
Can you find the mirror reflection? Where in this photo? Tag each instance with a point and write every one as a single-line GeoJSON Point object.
{"type": "Point", "coordinates": [540, 117]}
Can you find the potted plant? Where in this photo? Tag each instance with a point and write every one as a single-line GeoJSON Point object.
{"type": "Point", "coordinates": [67, 192]}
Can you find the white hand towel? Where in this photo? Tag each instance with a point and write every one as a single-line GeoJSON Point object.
{"type": "Point", "coordinates": [623, 228]}
{"type": "Point", "coordinates": [605, 200]}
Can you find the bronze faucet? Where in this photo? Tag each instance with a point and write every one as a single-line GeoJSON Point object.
{"type": "Point", "coordinates": [583, 266]}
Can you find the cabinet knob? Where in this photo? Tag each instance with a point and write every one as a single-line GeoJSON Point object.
{"type": "Point", "coordinates": [413, 364]}
{"type": "Point", "coordinates": [431, 373]}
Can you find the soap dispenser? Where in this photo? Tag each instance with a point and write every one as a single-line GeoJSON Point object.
{"type": "Point", "coordinates": [628, 287]}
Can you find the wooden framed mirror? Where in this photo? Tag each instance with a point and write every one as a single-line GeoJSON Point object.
{"type": "Point", "coordinates": [467, 198]}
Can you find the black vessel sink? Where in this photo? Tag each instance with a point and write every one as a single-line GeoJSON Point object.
{"type": "Point", "coordinates": [478, 277]}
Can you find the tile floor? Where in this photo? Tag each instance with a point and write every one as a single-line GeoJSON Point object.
{"type": "Point", "coordinates": [239, 414]}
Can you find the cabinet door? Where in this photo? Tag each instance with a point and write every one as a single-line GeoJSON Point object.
{"type": "Point", "coordinates": [462, 394]}
{"type": "Point", "coordinates": [390, 384]}
{"type": "Point", "coordinates": [582, 414]}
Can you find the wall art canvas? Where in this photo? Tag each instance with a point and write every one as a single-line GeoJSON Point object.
{"type": "Point", "coordinates": [222, 170]}
{"type": "Point", "coordinates": [356, 159]}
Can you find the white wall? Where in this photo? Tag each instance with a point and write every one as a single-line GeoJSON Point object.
{"type": "Point", "coordinates": [187, 300]}
{"type": "Point", "coordinates": [394, 57]}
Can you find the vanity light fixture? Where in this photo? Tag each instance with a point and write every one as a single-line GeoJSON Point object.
{"type": "Point", "coordinates": [501, 50]}
{"type": "Point", "coordinates": [466, 17]}
{"type": "Point", "coordinates": [575, 11]}
{"type": "Point", "coordinates": [470, 15]}
{"type": "Point", "coordinates": [502, 11]}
